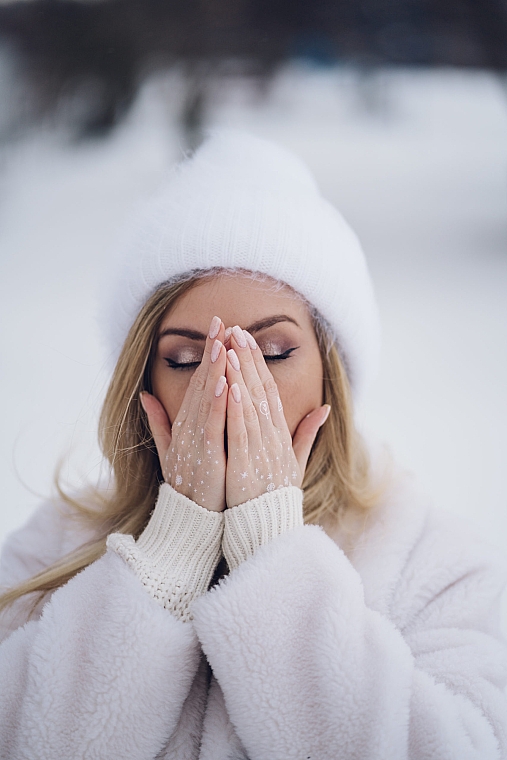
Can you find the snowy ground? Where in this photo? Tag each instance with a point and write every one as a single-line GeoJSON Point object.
{"type": "Point", "coordinates": [422, 177]}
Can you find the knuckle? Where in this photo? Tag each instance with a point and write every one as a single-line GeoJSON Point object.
{"type": "Point", "coordinates": [271, 387]}
{"type": "Point", "coordinates": [247, 358]}
{"type": "Point", "coordinates": [197, 382]}
{"type": "Point", "coordinates": [257, 392]}
{"type": "Point", "coordinates": [211, 431]}
{"type": "Point", "coordinates": [250, 414]}
{"type": "Point", "coordinates": [204, 407]}
{"type": "Point", "coordinates": [241, 439]}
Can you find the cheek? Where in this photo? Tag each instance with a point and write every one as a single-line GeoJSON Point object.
{"type": "Point", "coordinates": [300, 392]}
{"type": "Point", "coordinates": [170, 388]}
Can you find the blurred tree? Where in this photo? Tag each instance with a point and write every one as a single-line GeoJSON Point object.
{"type": "Point", "coordinates": [93, 56]}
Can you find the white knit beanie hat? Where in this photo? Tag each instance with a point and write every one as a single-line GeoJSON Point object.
{"type": "Point", "coordinates": [243, 202]}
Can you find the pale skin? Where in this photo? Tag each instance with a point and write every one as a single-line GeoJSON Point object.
{"type": "Point", "coordinates": [237, 391]}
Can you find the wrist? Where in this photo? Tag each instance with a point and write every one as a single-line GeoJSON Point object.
{"type": "Point", "coordinates": [259, 521]}
{"type": "Point", "coordinates": [177, 553]}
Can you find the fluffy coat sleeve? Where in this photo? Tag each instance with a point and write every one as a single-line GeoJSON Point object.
{"type": "Point", "coordinates": [313, 665]}
{"type": "Point", "coordinates": [105, 670]}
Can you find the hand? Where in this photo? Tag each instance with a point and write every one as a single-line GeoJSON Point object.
{"type": "Point", "coordinates": [261, 453]}
{"type": "Point", "coordinates": [192, 454]}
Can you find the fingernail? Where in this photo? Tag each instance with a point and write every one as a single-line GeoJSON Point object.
{"type": "Point", "coordinates": [236, 393]}
{"type": "Point", "coordinates": [250, 339]}
{"type": "Point", "coordinates": [328, 409]}
{"type": "Point", "coordinates": [233, 358]}
{"type": "Point", "coordinates": [141, 399]}
{"type": "Point", "coordinates": [214, 327]}
{"type": "Point", "coordinates": [215, 351]}
{"type": "Point", "coordinates": [228, 331]}
{"type": "Point", "coordinates": [238, 334]}
{"type": "Point", "coordinates": [220, 386]}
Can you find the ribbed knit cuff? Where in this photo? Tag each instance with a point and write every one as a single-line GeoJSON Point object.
{"type": "Point", "coordinates": [258, 521]}
{"type": "Point", "coordinates": [177, 553]}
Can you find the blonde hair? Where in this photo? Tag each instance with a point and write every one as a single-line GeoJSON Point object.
{"type": "Point", "coordinates": [337, 478]}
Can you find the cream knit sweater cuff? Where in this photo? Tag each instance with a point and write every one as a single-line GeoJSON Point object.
{"type": "Point", "coordinates": [177, 553]}
{"type": "Point", "coordinates": [258, 521]}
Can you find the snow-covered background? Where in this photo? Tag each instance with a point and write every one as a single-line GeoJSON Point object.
{"type": "Point", "coordinates": [416, 161]}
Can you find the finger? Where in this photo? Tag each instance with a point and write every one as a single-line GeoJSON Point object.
{"type": "Point", "coordinates": [269, 383]}
{"type": "Point", "coordinates": [306, 432]}
{"type": "Point", "coordinates": [215, 332]}
{"type": "Point", "coordinates": [214, 427]}
{"type": "Point", "coordinates": [197, 384]}
{"type": "Point", "coordinates": [258, 393]}
{"type": "Point", "coordinates": [158, 422]}
{"type": "Point", "coordinates": [215, 371]}
{"type": "Point", "coordinates": [237, 434]}
{"type": "Point", "coordinates": [250, 415]}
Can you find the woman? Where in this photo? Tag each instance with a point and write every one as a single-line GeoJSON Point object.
{"type": "Point", "coordinates": [195, 607]}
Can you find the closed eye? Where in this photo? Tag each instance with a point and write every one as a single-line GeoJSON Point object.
{"type": "Point", "coordinates": [181, 365]}
{"type": "Point", "coordinates": [193, 365]}
{"type": "Point", "coordinates": [280, 357]}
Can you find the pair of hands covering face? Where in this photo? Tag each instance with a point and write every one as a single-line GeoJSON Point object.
{"type": "Point", "coordinates": [232, 386]}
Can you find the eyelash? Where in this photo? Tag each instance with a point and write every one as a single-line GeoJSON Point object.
{"type": "Point", "coordinates": [192, 365]}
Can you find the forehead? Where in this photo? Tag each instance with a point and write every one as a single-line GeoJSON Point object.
{"type": "Point", "coordinates": [236, 299]}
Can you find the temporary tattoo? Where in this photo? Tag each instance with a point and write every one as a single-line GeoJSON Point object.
{"type": "Point", "coordinates": [264, 408]}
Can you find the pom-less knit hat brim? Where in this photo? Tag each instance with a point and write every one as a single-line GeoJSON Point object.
{"type": "Point", "coordinates": [243, 202]}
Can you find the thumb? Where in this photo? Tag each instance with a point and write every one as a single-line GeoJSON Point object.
{"type": "Point", "coordinates": [306, 432]}
{"type": "Point", "coordinates": [158, 423]}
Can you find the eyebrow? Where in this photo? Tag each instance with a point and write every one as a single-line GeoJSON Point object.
{"type": "Point", "coordinates": [261, 324]}
{"type": "Point", "coordinates": [192, 334]}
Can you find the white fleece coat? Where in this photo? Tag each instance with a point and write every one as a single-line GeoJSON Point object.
{"type": "Point", "coordinates": [389, 652]}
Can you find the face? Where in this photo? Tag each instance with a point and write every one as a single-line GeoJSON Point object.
{"type": "Point", "coordinates": [279, 322]}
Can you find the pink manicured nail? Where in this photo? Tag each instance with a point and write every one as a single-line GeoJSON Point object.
{"type": "Point", "coordinates": [220, 386]}
{"type": "Point", "coordinates": [141, 399]}
{"type": "Point", "coordinates": [238, 334]}
{"type": "Point", "coordinates": [228, 331]}
{"type": "Point", "coordinates": [214, 327]}
{"type": "Point", "coordinates": [236, 393]}
{"type": "Point", "coordinates": [250, 339]}
{"type": "Point", "coordinates": [233, 358]}
{"type": "Point", "coordinates": [215, 351]}
{"type": "Point", "coordinates": [327, 415]}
